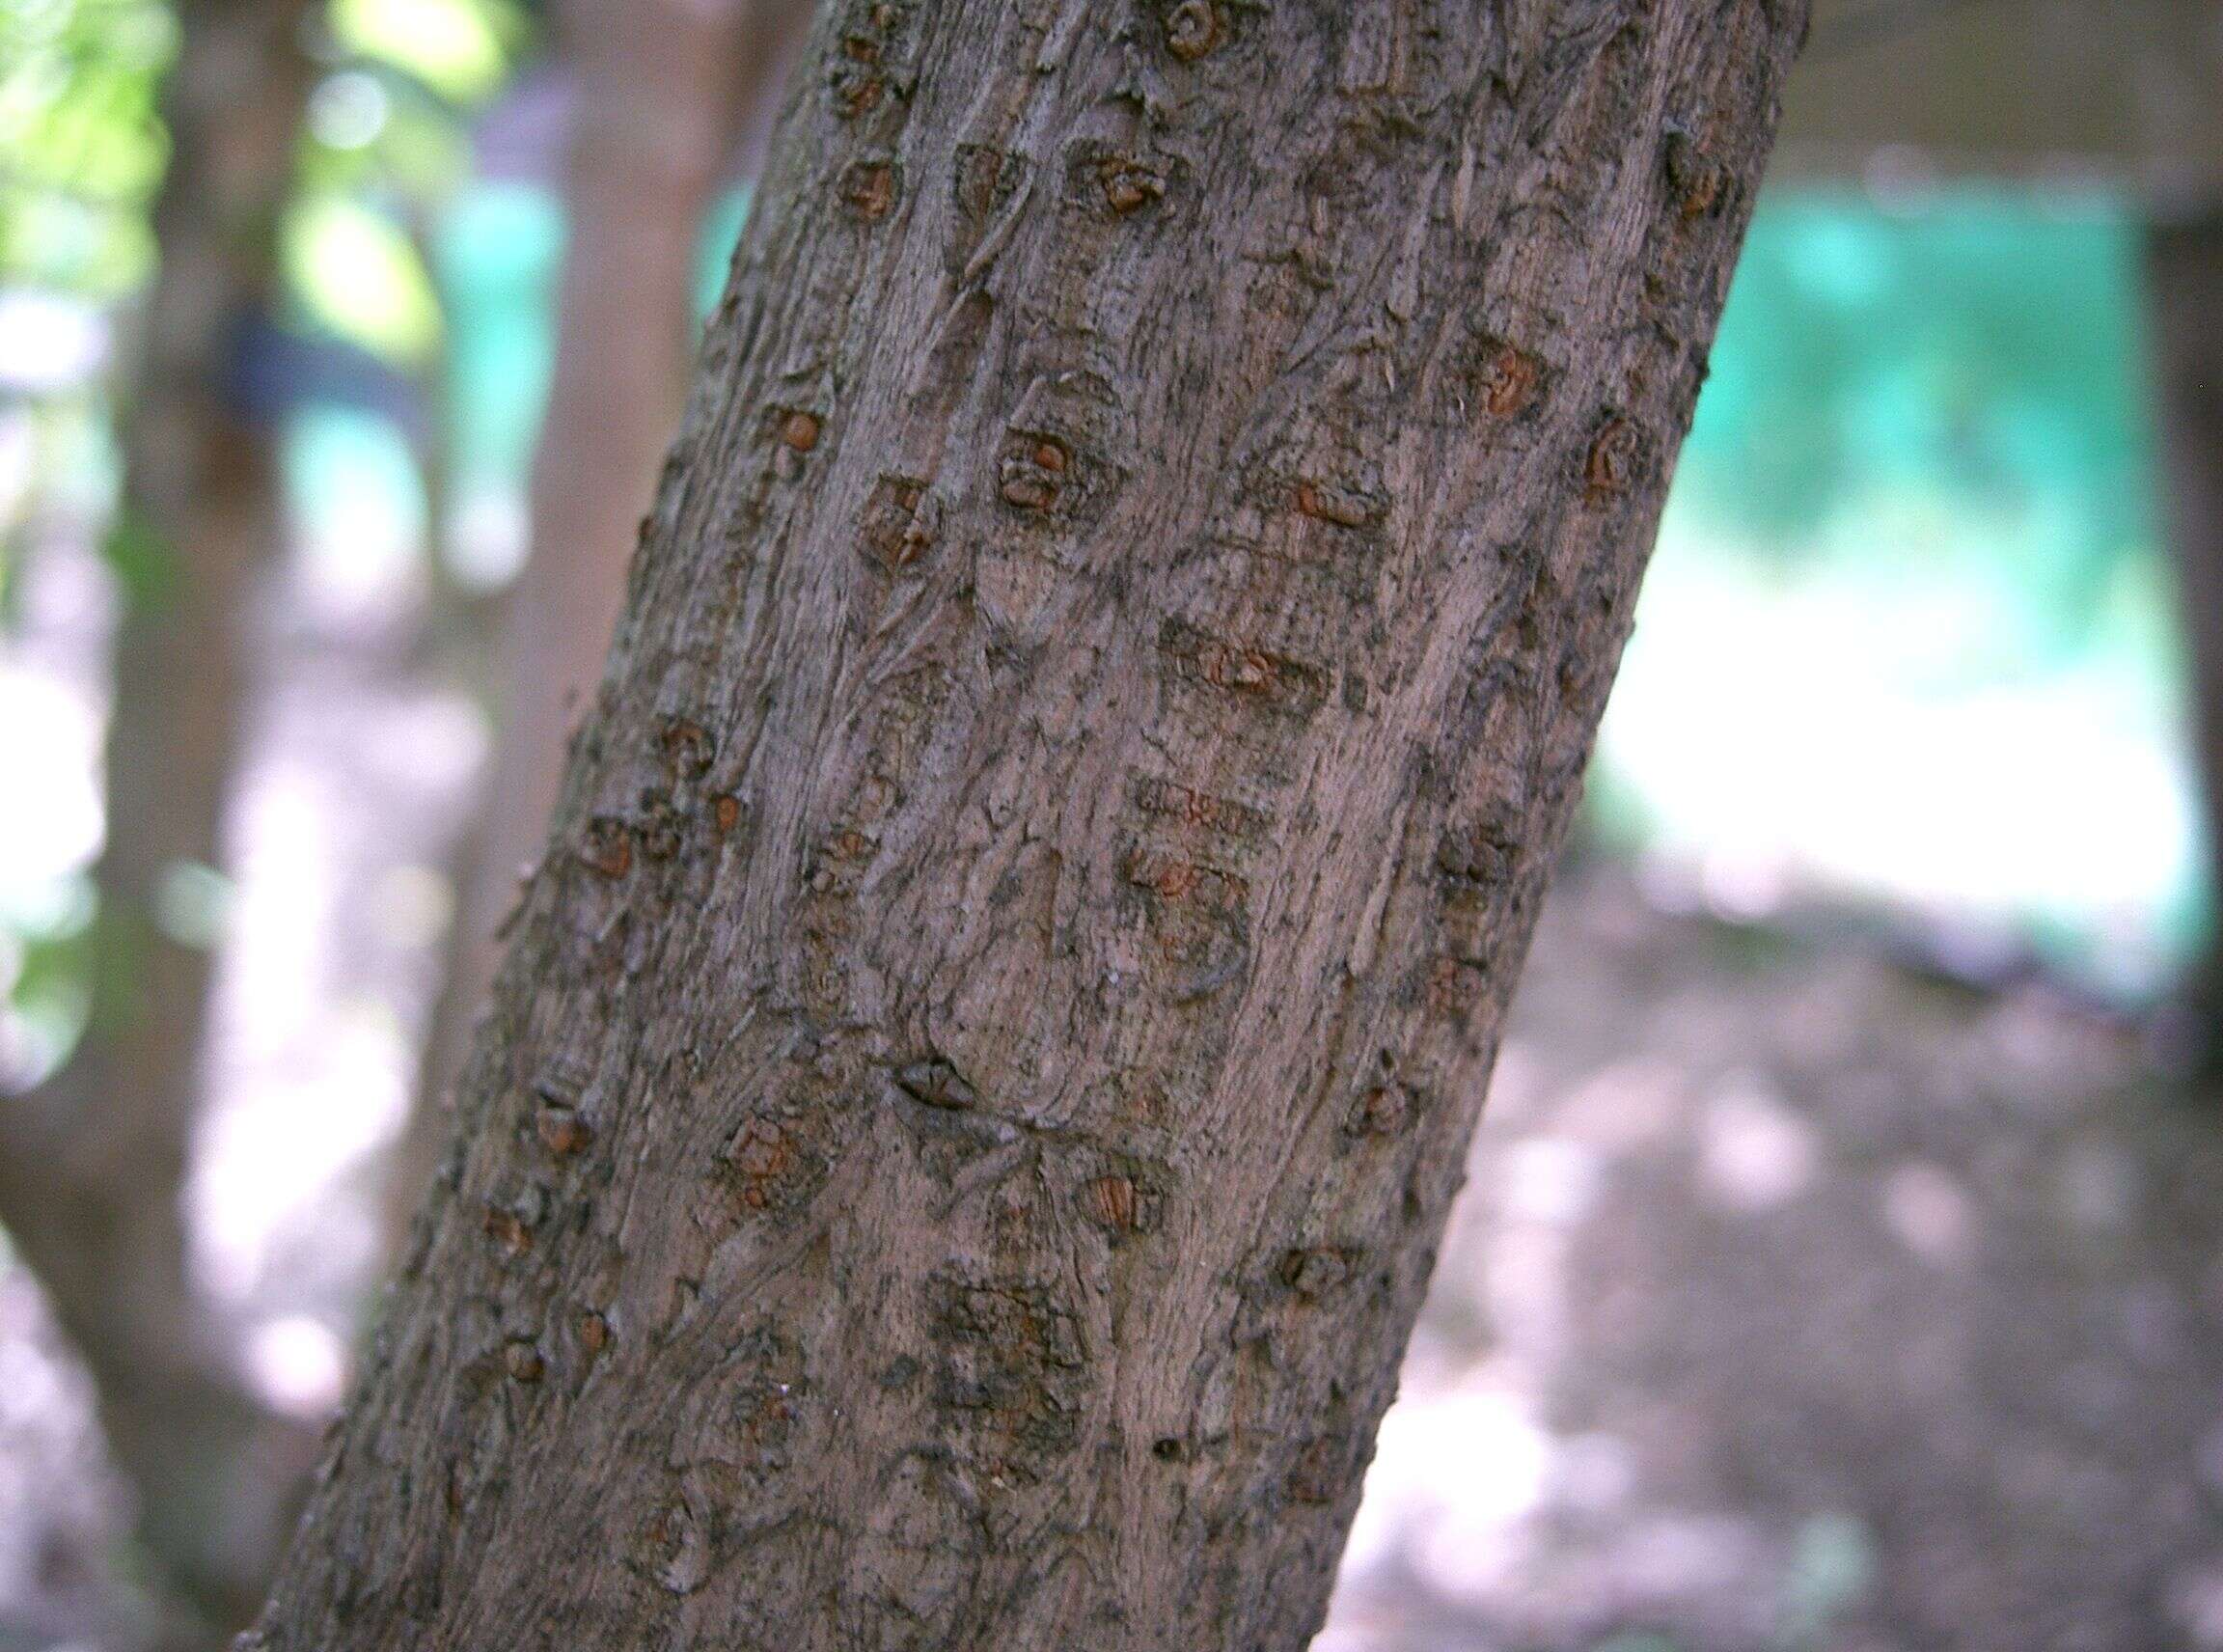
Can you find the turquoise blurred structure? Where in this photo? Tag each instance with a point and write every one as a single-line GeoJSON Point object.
{"type": "Point", "coordinates": [1910, 633]}
{"type": "Point", "coordinates": [497, 260]}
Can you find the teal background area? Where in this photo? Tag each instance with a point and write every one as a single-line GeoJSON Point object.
{"type": "Point", "coordinates": [497, 260]}
{"type": "Point", "coordinates": [1910, 632]}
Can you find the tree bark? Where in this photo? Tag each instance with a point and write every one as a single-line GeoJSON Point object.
{"type": "Point", "coordinates": [93, 1166]}
{"type": "Point", "coordinates": [663, 85]}
{"type": "Point", "coordinates": [2185, 272]}
{"type": "Point", "coordinates": [962, 1131]}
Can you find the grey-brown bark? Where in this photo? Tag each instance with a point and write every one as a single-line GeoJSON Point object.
{"type": "Point", "coordinates": [961, 1130]}
{"type": "Point", "coordinates": [2184, 265]}
{"type": "Point", "coordinates": [661, 88]}
{"type": "Point", "coordinates": [92, 1166]}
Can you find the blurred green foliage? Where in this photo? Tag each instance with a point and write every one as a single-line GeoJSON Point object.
{"type": "Point", "coordinates": [461, 50]}
{"type": "Point", "coordinates": [81, 149]}
{"type": "Point", "coordinates": [385, 145]}
{"type": "Point", "coordinates": [388, 146]}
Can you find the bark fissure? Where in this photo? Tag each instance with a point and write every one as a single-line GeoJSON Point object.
{"type": "Point", "coordinates": [1021, 1115]}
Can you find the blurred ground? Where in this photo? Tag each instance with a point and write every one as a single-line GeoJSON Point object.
{"type": "Point", "coordinates": [1798, 1301]}
{"type": "Point", "coordinates": [361, 755]}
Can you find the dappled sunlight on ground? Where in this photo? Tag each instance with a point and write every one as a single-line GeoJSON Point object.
{"type": "Point", "coordinates": [1800, 1302]}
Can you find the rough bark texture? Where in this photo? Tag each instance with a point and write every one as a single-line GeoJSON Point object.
{"type": "Point", "coordinates": [661, 88]}
{"type": "Point", "coordinates": [93, 1166]}
{"type": "Point", "coordinates": [962, 1131]}
{"type": "Point", "coordinates": [2184, 265]}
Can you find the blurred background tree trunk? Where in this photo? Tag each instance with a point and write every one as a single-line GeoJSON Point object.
{"type": "Point", "coordinates": [2184, 266]}
{"type": "Point", "coordinates": [664, 89]}
{"type": "Point", "coordinates": [94, 1163]}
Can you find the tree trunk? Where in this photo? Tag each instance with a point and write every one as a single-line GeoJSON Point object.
{"type": "Point", "coordinates": [961, 1133]}
{"type": "Point", "coordinates": [2184, 270]}
{"type": "Point", "coordinates": [93, 1166]}
{"type": "Point", "coordinates": [662, 87]}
